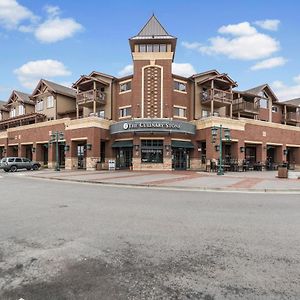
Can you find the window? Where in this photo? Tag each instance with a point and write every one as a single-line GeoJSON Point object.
{"type": "Point", "coordinates": [179, 86]}
{"type": "Point", "coordinates": [11, 160]}
{"type": "Point", "coordinates": [152, 48]}
{"type": "Point", "coordinates": [26, 160]}
{"type": "Point", "coordinates": [274, 109]}
{"type": "Point", "coordinates": [264, 103]}
{"type": "Point", "coordinates": [18, 159]}
{"type": "Point", "coordinates": [152, 151]}
{"type": "Point", "coordinates": [205, 113]}
{"type": "Point", "coordinates": [39, 106]}
{"type": "Point", "coordinates": [21, 110]}
{"type": "Point", "coordinates": [179, 112]}
{"type": "Point", "coordinates": [125, 112]}
{"type": "Point", "coordinates": [50, 102]}
{"type": "Point", "coordinates": [142, 48]}
{"type": "Point", "coordinates": [12, 113]}
{"type": "Point", "coordinates": [0, 115]}
{"type": "Point", "coordinates": [125, 87]}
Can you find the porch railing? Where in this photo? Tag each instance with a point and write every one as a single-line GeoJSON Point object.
{"type": "Point", "coordinates": [216, 95]}
{"type": "Point", "coordinates": [244, 106]}
{"type": "Point", "coordinates": [89, 96]}
{"type": "Point", "coordinates": [293, 117]}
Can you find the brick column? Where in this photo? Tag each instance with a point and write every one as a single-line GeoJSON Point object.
{"type": "Point", "coordinates": [279, 156]}
{"type": "Point", "coordinates": [261, 153]}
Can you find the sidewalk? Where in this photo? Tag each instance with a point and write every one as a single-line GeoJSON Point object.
{"type": "Point", "coordinates": [245, 181]}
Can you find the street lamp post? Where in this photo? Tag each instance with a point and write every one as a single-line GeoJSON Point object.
{"type": "Point", "coordinates": [56, 137]}
{"type": "Point", "coordinates": [214, 133]}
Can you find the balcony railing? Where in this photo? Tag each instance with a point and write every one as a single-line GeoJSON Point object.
{"type": "Point", "coordinates": [244, 106]}
{"type": "Point", "coordinates": [293, 117]}
{"type": "Point", "coordinates": [90, 96]}
{"type": "Point", "coordinates": [216, 95]}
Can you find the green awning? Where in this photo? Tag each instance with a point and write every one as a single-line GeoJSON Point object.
{"type": "Point", "coordinates": [182, 144]}
{"type": "Point", "coordinates": [122, 144]}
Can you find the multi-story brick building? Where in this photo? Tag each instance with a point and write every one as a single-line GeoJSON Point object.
{"type": "Point", "coordinates": [152, 119]}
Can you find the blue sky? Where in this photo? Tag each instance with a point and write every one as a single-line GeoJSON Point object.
{"type": "Point", "coordinates": [255, 42]}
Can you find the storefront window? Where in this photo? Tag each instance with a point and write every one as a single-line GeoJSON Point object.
{"type": "Point", "coordinates": [152, 151]}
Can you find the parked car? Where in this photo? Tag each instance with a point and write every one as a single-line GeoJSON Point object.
{"type": "Point", "coordinates": [15, 163]}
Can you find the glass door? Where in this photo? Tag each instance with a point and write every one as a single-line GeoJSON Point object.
{"type": "Point", "coordinates": [180, 159]}
{"type": "Point", "coordinates": [124, 158]}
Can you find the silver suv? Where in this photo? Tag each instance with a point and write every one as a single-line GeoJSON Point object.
{"type": "Point", "coordinates": [14, 163]}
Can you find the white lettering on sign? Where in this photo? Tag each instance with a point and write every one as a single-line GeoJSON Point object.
{"type": "Point", "coordinates": [167, 125]}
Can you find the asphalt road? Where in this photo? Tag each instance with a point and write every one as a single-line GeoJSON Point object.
{"type": "Point", "coordinates": [63, 240]}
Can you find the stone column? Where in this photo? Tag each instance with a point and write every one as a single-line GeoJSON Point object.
{"type": "Point", "coordinates": [261, 153]}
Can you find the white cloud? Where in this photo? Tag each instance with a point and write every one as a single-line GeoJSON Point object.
{"type": "Point", "coordinates": [183, 69]}
{"type": "Point", "coordinates": [286, 92]}
{"type": "Point", "coordinates": [31, 72]}
{"type": "Point", "coordinates": [244, 43]}
{"type": "Point", "coordinates": [53, 29]}
{"type": "Point", "coordinates": [269, 63]}
{"type": "Point", "coordinates": [240, 29]}
{"type": "Point", "coordinates": [268, 24]}
{"type": "Point", "coordinates": [12, 14]}
{"type": "Point", "coordinates": [127, 70]}
{"type": "Point", "coordinates": [57, 29]}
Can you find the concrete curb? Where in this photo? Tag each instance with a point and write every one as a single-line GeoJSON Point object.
{"type": "Point", "coordinates": [180, 188]}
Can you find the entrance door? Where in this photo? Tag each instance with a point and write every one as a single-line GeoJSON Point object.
{"type": "Point", "coordinates": [81, 156]}
{"type": "Point", "coordinates": [28, 152]}
{"type": "Point", "coordinates": [124, 158]}
{"type": "Point", "coordinates": [180, 159]}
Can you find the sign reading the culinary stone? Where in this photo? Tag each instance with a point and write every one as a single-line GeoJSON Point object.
{"type": "Point", "coordinates": [152, 125]}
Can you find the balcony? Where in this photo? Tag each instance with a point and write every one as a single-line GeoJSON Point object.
{"type": "Point", "coordinates": [242, 106]}
{"type": "Point", "coordinates": [220, 97]}
{"type": "Point", "coordinates": [293, 117]}
{"type": "Point", "coordinates": [87, 97]}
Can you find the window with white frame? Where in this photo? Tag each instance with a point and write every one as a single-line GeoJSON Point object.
{"type": "Point", "coordinates": [50, 102]}
{"type": "Point", "coordinates": [125, 86]}
{"type": "Point", "coordinates": [39, 105]}
{"type": "Point", "coordinates": [264, 103]}
{"type": "Point", "coordinates": [274, 109]}
{"type": "Point", "coordinates": [12, 113]}
{"type": "Point", "coordinates": [0, 116]}
{"type": "Point", "coordinates": [125, 112]}
{"type": "Point", "coordinates": [179, 86]}
{"type": "Point", "coordinates": [21, 110]}
{"type": "Point", "coordinates": [179, 112]}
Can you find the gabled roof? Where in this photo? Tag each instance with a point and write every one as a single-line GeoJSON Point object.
{"type": "Point", "coordinates": [2, 106]}
{"type": "Point", "coordinates": [84, 79]}
{"type": "Point", "coordinates": [260, 88]}
{"type": "Point", "coordinates": [23, 97]}
{"type": "Point", "coordinates": [95, 73]}
{"type": "Point", "coordinates": [294, 102]}
{"type": "Point", "coordinates": [56, 88]}
{"type": "Point", "coordinates": [220, 77]}
{"type": "Point", "coordinates": [213, 72]}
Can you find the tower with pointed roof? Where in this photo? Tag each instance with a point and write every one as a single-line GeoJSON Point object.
{"type": "Point", "coordinates": [153, 50]}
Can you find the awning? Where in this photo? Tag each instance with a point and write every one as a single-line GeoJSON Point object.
{"type": "Point", "coordinates": [122, 144]}
{"type": "Point", "coordinates": [182, 144]}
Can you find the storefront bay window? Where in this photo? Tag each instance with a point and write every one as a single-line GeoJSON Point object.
{"type": "Point", "coordinates": [152, 151]}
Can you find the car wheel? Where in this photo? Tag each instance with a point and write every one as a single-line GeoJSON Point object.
{"type": "Point", "coordinates": [13, 168]}
{"type": "Point", "coordinates": [6, 170]}
{"type": "Point", "coordinates": [28, 169]}
{"type": "Point", "coordinates": [35, 167]}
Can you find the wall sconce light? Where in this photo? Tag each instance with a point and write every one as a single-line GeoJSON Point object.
{"type": "Point", "coordinates": [33, 149]}
{"type": "Point", "coordinates": [46, 146]}
{"type": "Point", "coordinates": [265, 147]}
{"type": "Point", "coordinates": [167, 147]}
{"type": "Point", "coordinates": [88, 146]}
{"type": "Point", "coordinates": [136, 148]}
{"type": "Point", "coordinates": [67, 148]}
{"type": "Point", "coordinates": [242, 149]}
{"type": "Point", "coordinates": [227, 133]}
{"type": "Point", "coordinates": [285, 152]}
{"type": "Point", "coordinates": [217, 148]}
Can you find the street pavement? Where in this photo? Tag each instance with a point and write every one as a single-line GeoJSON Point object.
{"type": "Point", "coordinates": [71, 240]}
{"type": "Point", "coordinates": [231, 181]}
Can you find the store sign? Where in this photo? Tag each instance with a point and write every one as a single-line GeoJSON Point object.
{"type": "Point", "coordinates": [153, 125]}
